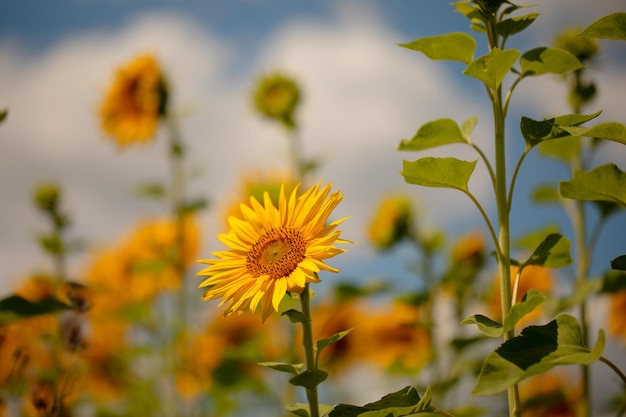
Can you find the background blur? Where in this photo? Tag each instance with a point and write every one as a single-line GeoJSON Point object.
{"type": "Point", "coordinates": [362, 95]}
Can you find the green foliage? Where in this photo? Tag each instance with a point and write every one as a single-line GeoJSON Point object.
{"type": "Point", "coordinates": [619, 263]}
{"type": "Point", "coordinates": [546, 60]}
{"type": "Point", "coordinates": [513, 25]}
{"type": "Point", "coordinates": [456, 46]}
{"type": "Point", "coordinates": [609, 130]}
{"type": "Point", "coordinates": [292, 368]}
{"type": "Point", "coordinates": [324, 343]}
{"type": "Point", "coordinates": [439, 172]}
{"type": "Point", "coordinates": [309, 379]}
{"type": "Point", "coordinates": [533, 238]}
{"type": "Point", "coordinates": [604, 183]}
{"type": "Point", "coordinates": [437, 133]}
{"type": "Point", "coordinates": [535, 132]}
{"type": "Point", "coordinates": [552, 252]}
{"type": "Point", "coordinates": [536, 350]}
{"type": "Point", "coordinates": [303, 410]}
{"type": "Point", "coordinates": [612, 26]}
{"type": "Point", "coordinates": [14, 308]}
{"type": "Point", "coordinates": [491, 328]}
{"type": "Point", "coordinates": [404, 402]}
{"type": "Point", "coordinates": [151, 190]}
{"type": "Point", "coordinates": [493, 67]}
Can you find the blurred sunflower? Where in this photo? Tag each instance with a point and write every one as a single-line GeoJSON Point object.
{"type": "Point", "coordinates": [135, 102]}
{"type": "Point", "coordinates": [394, 338]}
{"type": "Point", "coordinates": [536, 277]}
{"type": "Point", "coordinates": [548, 395]}
{"type": "Point", "coordinates": [274, 250]}
{"type": "Point", "coordinates": [142, 265]}
{"type": "Point", "coordinates": [276, 96]}
{"type": "Point", "coordinates": [617, 314]}
{"type": "Point", "coordinates": [392, 222]}
{"type": "Point", "coordinates": [257, 183]}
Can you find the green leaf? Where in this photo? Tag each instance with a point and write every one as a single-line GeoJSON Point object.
{"type": "Point", "coordinates": [531, 300]}
{"type": "Point", "coordinates": [491, 328]}
{"type": "Point", "coordinates": [546, 194]}
{"type": "Point", "coordinates": [294, 315]}
{"type": "Point", "coordinates": [612, 26]}
{"type": "Point", "coordinates": [552, 252]}
{"type": "Point", "coordinates": [151, 190]}
{"type": "Point", "coordinates": [609, 130]}
{"type": "Point", "coordinates": [532, 239]}
{"type": "Point", "coordinates": [545, 60]}
{"type": "Point", "coordinates": [292, 368]}
{"type": "Point", "coordinates": [487, 326]}
{"type": "Point", "coordinates": [619, 263]}
{"type": "Point", "coordinates": [401, 403]}
{"type": "Point", "coordinates": [614, 280]}
{"type": "Point", "coordinates": [604, 183]}
{"type": "Point", "coordinates": [438, 172]}
{"type": "Point", "coordinates": [456, 46]}
{"type": "Point", "coordinates": [14, 308]}
{"type": "Point", "coordinates": [493, 67]}
{"type": "Point", "coordinates": [3, 115]}
{"type": "Point", "coordinates": [324, 343]}
{"type": "Point", "coordinates": [432, 134]}
{"type": "Point", "coordinates": [302, 410]}
{"type": "Point", "coordinates": [298, 409]}
{"type": "Point", "coordinates": [511, 26]}
{"type": "Point", "coordinates": [566, 149]}
{"type": "Point", "coordinates": [309, 379]}
{"type": "Point", "coordinates": [536, 350]}
{"type": "Point", "coordinates": [194, 205]}
{"type": "Point", "coordinates": [535, 132]}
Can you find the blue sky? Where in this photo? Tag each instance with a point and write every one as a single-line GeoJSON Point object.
{"type": "Point", "coordinates": [363, 94]}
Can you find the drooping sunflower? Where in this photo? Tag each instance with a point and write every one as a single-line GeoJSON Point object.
{"type": "Point", "coordinates": [135, 102]}
{"type": "Point", "coordinates": [274, 250]}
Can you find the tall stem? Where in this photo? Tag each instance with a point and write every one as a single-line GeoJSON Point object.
{"type": "Point", "coordinates": [309, 353]}
{"type": "Point", "coordinates": [176, 154]}
{"type": "Point", "coordinates": [504, 263]}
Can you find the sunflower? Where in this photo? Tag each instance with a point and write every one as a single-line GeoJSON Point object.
{"type": "Point", "coordinates": [274, 250]}
{"type": "Point", "coordinates": [135, 102]}
{"type": "Point", "coordinates": [277, 96]}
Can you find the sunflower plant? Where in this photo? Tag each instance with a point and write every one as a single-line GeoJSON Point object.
{"type": "Point", "coordinates": [501, 70]}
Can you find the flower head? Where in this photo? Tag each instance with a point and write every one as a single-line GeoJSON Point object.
{"type": "Point", "coordinates": [274, 250]}
{"type": "Point", "coordinates": [276, 97]}
{"type": "Point", "coordinates": [392, 222]}
{"type": "Point", "coordinates": [135, 101]}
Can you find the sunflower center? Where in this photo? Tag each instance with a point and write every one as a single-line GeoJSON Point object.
{"type": "Point", "coordinates": [277, 253]}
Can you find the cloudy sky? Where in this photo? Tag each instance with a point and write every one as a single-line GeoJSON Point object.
{"type": "Point", "coordinates": [362, 95]}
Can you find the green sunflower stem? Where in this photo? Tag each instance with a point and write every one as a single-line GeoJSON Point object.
{"type": "Point", "coordinates": [309, 348]}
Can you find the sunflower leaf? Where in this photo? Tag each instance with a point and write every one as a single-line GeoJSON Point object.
{"type": "Point", "coordinates": [546, 60]}
{"type": "Point", "coordinates": [536, 350]}
{"type": "Point", "coordinates": [291, 368]}
{"type": "Point", "coordinates": [493, 67]}
{"type": "Point", "coordinates": [619, 263]}
{"type": "Point", "coordinates": [604, 183]}
{"type": "Point", "coordinates": [455, 46]}
{"type": "Point", "coordinates": [323, 343]}
{"type": "Point", "coordinates": [14, 308]}
{"type": "Point", "coordinates": [294, 315]}
{"type": "Point", "coordinates": [612, 26]}
{"type": "Point", "coordinates": [552, 252]}
{"type": "Point", "coordinates": [439, 172]}
{"type": "Point", "coordinates": [435, 133]}
{"type": "Point", "coordinates": [309, 379]}
{"type": "Point", "coordinates": [397, 404]}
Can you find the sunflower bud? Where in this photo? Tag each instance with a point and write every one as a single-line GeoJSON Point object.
{"type": "Point", "coordinates": [47, 197]}
{"type": "Point", "coordinates": [277, 97]}
{"type": "Point", "coordinates": [582, 47]}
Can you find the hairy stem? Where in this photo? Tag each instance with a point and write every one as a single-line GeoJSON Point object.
{"type": "Point", "coordinates": [309, 353]}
